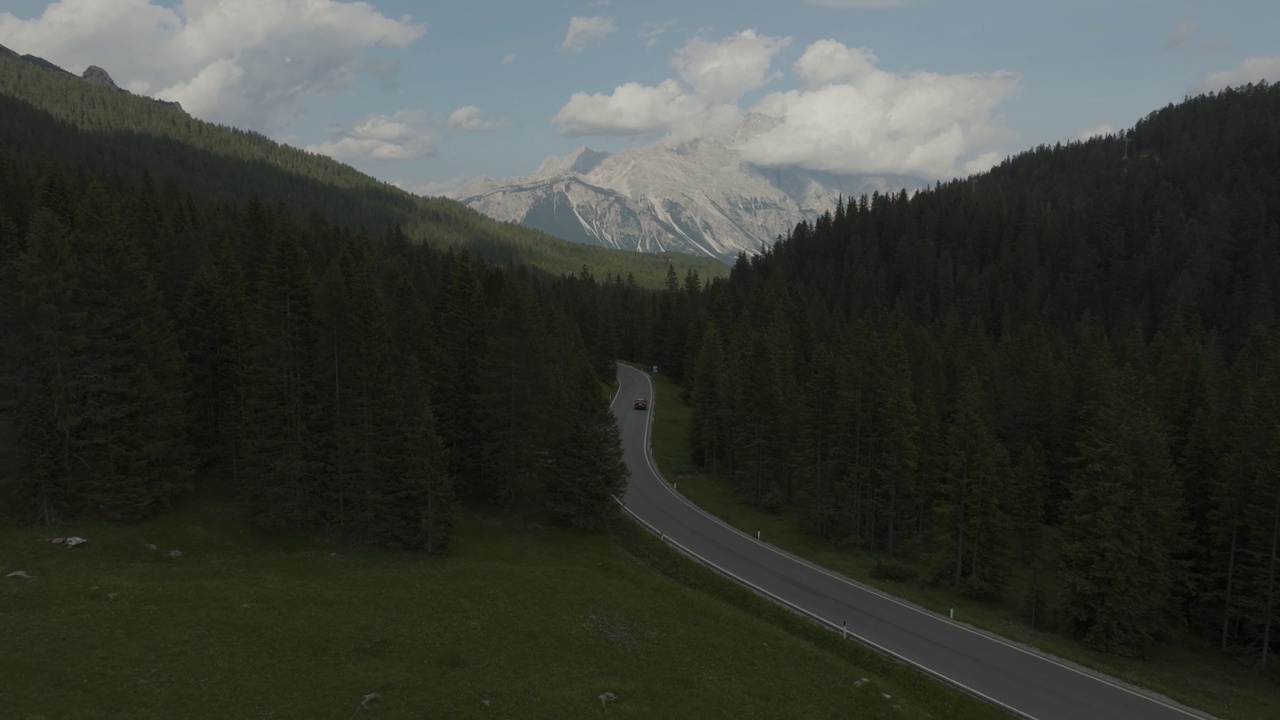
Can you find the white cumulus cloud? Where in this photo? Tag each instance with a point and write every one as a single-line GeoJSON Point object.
{"type": "Point", "coordinates": [846, 115]}
{"type": "Point", "coordinates": [240, 62]}
{"type": "Point", "coordinates": [635, 109]}
{"type": "Point", "coordinates": [585, 30]}
{"type": "Point", "coordinates": [723, 71]}
{"type": "Point", "coordinates": [854, 117]}
{"type": "Point", "coordinates": [715, 75]}
{"type": "Point", "coordinates": [470, 119]}
{"type": "Point", "coordinates": [1249, 71]}
{"type": "Point", "coordinates": [404, 135]}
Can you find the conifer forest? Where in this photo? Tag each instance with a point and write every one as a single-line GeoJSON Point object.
{"type": "Point", "coordinates": [1065, 370]}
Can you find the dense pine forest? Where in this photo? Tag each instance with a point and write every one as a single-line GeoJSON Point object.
{"type": "Point", "coordinates": [1065, 371]}
{"type": "Point", "coordinates": [351, 386]}
{"type": "Point", "coordinates": [357, 383]}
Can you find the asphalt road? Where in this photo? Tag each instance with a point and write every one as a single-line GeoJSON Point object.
{"type": "Point", "coordinates": [1026, 683]}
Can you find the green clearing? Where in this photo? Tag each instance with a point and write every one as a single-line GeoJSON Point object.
{"type": "Point", "coordinates": [519, 622]}
{"type": "Point", "coordinates": [1190, 672]}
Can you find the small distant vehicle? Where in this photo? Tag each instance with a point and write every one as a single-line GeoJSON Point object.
{"type": "Point", "coordinates": [642, 404]}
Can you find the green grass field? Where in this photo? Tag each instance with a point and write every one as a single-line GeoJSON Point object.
{"type": "Point", "coordinates": [519, 622]}
{"type": "Point", "coordinates": [1192, 674]}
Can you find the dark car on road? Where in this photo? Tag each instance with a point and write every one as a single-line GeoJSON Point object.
{"type": "Point", "coordinates": [642, 404]}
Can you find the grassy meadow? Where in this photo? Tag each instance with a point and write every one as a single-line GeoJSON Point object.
{"type": "Point", "coordinates": [520, 621]}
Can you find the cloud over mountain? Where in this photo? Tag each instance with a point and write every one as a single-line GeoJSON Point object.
{"type": "Point", "coordinates": [238, 62]}
{"type": "Point", "coordinates": [470, 118]}
{"type": "Point", "coordinates": [845, 115]}
{"type": "Point", "coordinates": [404, 135]}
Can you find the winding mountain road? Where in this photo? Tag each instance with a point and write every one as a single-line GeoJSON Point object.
{"type": "Point", "coordinates": [1026, 683]}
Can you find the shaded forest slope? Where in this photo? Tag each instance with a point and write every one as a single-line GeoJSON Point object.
{"type": "Point", "coordinates": [1056, 384]}
{"type": "Point", "coordinates": [59, 119]}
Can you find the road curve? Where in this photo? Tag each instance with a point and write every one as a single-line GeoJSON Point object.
{"type": "Point", "coordinates": [1025, 683]}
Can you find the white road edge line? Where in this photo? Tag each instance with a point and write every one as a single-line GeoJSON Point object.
{"type": "Point", "coordinates": [866, 589]}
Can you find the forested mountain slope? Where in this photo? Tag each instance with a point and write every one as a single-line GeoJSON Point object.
{"type": "Point", "coordinates": [55, 117]}
{"type": "Point", "coordinates": [1056, 383]}
{"type": "Point", "coordinates": [222, 326]}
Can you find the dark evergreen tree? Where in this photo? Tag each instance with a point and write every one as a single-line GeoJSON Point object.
{"type": "Point", "coordinates": [1123, 525]}
{"type": "Point", "coordinates": [513, 390]}
{"type": "Point", "coordinates": [283, 479]}
{"type": "Point", "coordinates": [710, 418]}
{"type": "Point", "coordinates": [895, 457]}
{"type": "Point", "coordinates": [50, 343]}
{"type": "Point", "coordinates": [973, 501]}
{"type": "Point", "coordinates": [464, 326]}
{"type": "Point", "coordinates": [425, 508]}
{"type": "Point", "coordinates": [131, 392]}
{"type": "Point", "coordinates": [586, 470]}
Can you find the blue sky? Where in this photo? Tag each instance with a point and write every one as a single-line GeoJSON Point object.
{"type": "Point", "coordinates": [427, 93]}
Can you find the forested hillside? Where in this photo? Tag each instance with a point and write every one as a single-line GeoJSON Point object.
{"type": "Point", "coordinates": [354, 383]}
{"type": "Point", "coordinates": [1065, 371]}
{"type": "Point", "coordinates": [55, 118]}
{"type": "Point", "coordinates": [349, 386]}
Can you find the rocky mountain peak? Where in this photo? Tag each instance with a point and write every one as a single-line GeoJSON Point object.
{"type": "Point", "coordinates": [97, 76]}
{"type": "Point", "coordinates": [580, 161]}
{"type": "Point", "coordinates": [93, 75]}
{"type": "Point", "coordinates": [697, 196]}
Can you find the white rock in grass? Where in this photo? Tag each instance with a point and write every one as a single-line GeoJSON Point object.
{"type": "Point", "coordinates": [174, 553]}
{"type": "Point", "coordinates": [20, 574]}
{"type": "Point", "coordinates": [69, 541]}
{"type": "Point", "coordinates": [860, 682]}
{"type": "Point", "coordinates": [150, 546]}
{"type": "Point", "coordinates": [607, 697]}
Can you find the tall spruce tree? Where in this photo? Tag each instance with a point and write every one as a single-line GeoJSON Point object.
{"type": "Point", "coordinates": [424, 508]}
{"type": "Point", "coordinates": [758, 407]}
{"type": "Point", "coordinates": [49, 342]}
{"type": "Point", "coordinates": [973, 499]}
{"type": "Point", "coordinates": [1123, 527]}
{"type": "Point", "coordinates": [132, 395]}
{"type": "Point", "coordinates": [213, 318]}
{"type": "Point", "coordinates": [464, 324]}
{"type": "Point", "coordinates": [710, 418]}
{"type": "Point", "coordinates": [512, 382]}
{"type": "Point", "coordinates": [586, 471]}
{"type": "Point", "coordinates": [896, 449]}
{"type": "Point", "coordinates": [284, 478]}
{"type": "Point", "coordinates": [821, 504]}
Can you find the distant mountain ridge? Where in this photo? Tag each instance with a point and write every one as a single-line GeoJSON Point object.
{"type": "Point", "coordinates": [92, 74]}
{"type": "Point", "coordinates": [694, 197]}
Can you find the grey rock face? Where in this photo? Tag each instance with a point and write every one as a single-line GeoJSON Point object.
{"type": "Point", "coordinates": [97, 76]}
{"type": "Point", "coordinates": [696, 197]}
